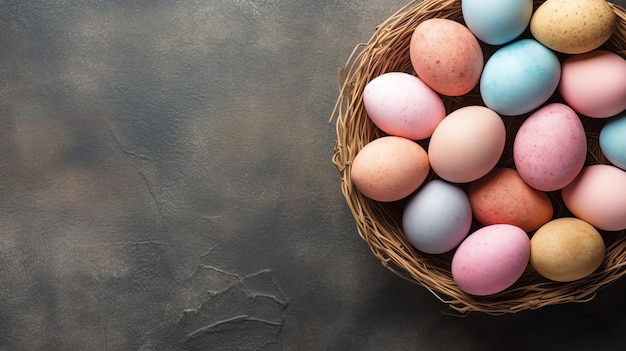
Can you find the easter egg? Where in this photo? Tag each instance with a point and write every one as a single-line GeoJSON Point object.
{"type": "Point", "coordinates": [519, 77]}
{"type": "Point", "coordinates": [613, 141]}
{"type": "Point", "coordinates": [467, 144]}
{"type": "Point", "coordinates": [550, 147]}
{"type": "Point", "coordinates": [437, 218]}
{"type": "Point", "coordinates": [389, 168]}
{"type": "Point", "coordinates": [594, 84]}
{"type": "Point", "coordinates": [573, 26]}
{"type": "Point", "coordinates": [598, 196]}
{"type": "Point", "coordinates": [502, 197]}
{"type": "Point", "coordinates": [497, 22]}
{"type": "Point", "coordinates": [446, 56]}
{"type": "Point", "coordinates": [401, 104]}
{"type": "Point", "coordinates": [566, 249]}
{"type": "Point", "coordinates": [491, 259]}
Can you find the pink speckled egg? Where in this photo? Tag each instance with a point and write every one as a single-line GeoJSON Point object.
{"type": "Point", "coordinates": [389, 168]}
{"type": "Point", "coordinates": [467, 144]}
{"type": "Point", "coordinates": [491, 259]}
{"type": "Point", "coordinates": [446, 56]}
{"type": "Point", "coordinates": [401, 104]}
{"type": "Point", "coordinates": [594, 84]}
{"type": "Point", "coordinates": [550, 147]}
{"type": "Point", "coordinates": [598, 196]}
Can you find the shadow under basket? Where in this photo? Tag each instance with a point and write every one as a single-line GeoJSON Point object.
{"type": "Point", "coordinates": [380, 225]}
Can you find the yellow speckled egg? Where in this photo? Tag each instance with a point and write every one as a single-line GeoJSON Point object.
{"type": "Point", "coordinates": [573, 26]}
{"type": "Point", "coordinates": [389, 168]}
{"type": "Point", "coordinates": [566, 249]}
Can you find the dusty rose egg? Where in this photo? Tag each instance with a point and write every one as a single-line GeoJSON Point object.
{"type": "Point", "coordinates": [446, 56]}
{"type": "Point", "coordinates": [598, 196]}
{"type": "Point", "coordinates": [502, 197]}
{"type": "Point", "coordinates": [389, 168]}
{"type": "Point", "coordinates": [467, 144]}
{"type": "Point", "coordinates": [594, 84]}
{"type": "Point", "coordinates": [401, 104]}
{"type": "Point", "coordinates": [550, 147]}
{"type": "Point", "coordinates": [491, 259]}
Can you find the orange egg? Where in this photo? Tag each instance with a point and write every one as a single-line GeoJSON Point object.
{"type": "Point", "coordinates": [446, 56]}
{"type": "Point", "coordinates": [502, 197]}
{"type": "Point", "coordinates": [389, 168]}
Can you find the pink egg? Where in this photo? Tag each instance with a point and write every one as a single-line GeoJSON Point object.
{"type": "Point", "coordinates": [491, 259]}
{"type": "Point", "coordinates": [594, 84]}
{"type": "Point", "coordinates": [550, 147]}
{"type": "Point", "coordinates": [467, 144]}
{"type": "Point", "coordinates": [389, 168]}
{"type": "Point", "coordinates": [598, 196]}
{"type": "Point", "coordinates": [401, 104]}
{"type": "Point", "coordinates": [446, 56]}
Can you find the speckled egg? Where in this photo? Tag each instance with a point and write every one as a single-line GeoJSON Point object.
{"type": "Point", "coordinates": [519, 77]}
{"type": "Point", "coordinates": [467, 144]}
{"type": "Point", "coordinates": [613, 140]}
{"type": "Point", "coordinates": [598, 196]}
{"type": "Point", "coordinates": [550, 147]}
{"type": "Point", "coordinates": [502, 197]}
{"type": "Point", "coordinates": [401, 104]}
{"type": "Point", "coordinates": [491, 259]}
{"type": "Point", "coordinates": [446, 56]}
{"type": "Point", "coordinates": [573, 26]}
{"type": "Point", "coordinates": [594, 84]}
{"type": "Point", "coordinates": [389, 168]}
{"type": "Point", "coordinates": [566, 249]}
{"type": "Point", "coordinates": [437, 217]}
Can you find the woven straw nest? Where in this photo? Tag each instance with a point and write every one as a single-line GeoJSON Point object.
{"type": "Point", "coordinates": [379, 224]}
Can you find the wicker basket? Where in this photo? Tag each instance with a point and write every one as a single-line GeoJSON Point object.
{"type": "Point", "coordinates": [379, 224]}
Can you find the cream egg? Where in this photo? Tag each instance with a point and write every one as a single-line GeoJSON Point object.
{"type": "Point", "coordinates": [467, 144]}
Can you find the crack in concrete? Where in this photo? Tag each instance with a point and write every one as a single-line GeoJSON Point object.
{"type": "Point", "coordinates": [247, 313]}
{"type": "Point", "coordinates": [124, 149]}
{"type": "Point", "coordinates": [152, 194]}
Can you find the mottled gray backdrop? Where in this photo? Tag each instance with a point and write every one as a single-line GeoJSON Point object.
{"type": "Point", "coordinates": [166, 184]}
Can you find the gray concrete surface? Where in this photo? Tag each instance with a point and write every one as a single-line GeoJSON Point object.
{"type": "Point", "coordinates": [166, 184]}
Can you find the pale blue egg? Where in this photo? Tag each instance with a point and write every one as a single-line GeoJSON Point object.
{"type": "Point", "coordinates": [437, 217]}
{"type": "Point", "coordinates": [613, 140]}
{"type": "Point", "coordinates": [497, 22]}
{"type": "Point", "coordinates": [519, 77]}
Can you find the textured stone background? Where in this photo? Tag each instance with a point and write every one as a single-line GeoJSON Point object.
{"type": "Point", "coordinates": [166, 184]}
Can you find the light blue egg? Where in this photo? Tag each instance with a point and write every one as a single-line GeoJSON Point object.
{"type": "Point", "coordinates": [613, 140]}
{"type": "Point", "coordinates": [519, 77]}
{"type": "Point", "coordinates": [497, 22]}
{"type": "Point", "coordinates": [437, 217]}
